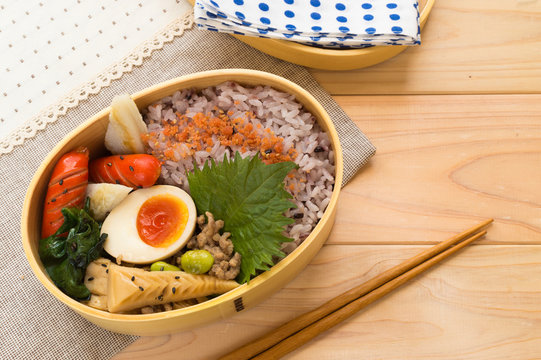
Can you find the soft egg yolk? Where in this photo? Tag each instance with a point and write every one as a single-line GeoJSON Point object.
{"type": "Point", "coordinates": [161, 220]}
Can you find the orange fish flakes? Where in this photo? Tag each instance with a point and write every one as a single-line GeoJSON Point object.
{"type": "Point", "coordinates": [203, 130]}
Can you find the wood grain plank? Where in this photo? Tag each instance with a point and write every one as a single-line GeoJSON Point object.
{"type": "Point", "coordinates": [442, 164]}
{"type": "Point", "coordinates": [483, 303]}
{"type": "Point", "coordinates": [480, 46]}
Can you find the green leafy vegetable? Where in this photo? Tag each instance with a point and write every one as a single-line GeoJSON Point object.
{"type": "Point", "coordinates": [250, 198]}
{"type": "Point", "coordinates": [66, 257]}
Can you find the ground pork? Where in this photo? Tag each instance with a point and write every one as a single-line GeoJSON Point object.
{"type": "Point", "coordinates": [226, 261]}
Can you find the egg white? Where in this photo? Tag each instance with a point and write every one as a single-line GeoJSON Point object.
{"type": "Point", "coordinates": [121, 227]}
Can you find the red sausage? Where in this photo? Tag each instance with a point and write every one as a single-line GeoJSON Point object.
{"type": "Point", "coordinates": [67, 188]}
{"type": "Point", "coordinates": [135, 170]}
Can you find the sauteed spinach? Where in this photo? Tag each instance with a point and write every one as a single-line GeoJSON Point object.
{"type": "Point", "coordinates": [67, 253]}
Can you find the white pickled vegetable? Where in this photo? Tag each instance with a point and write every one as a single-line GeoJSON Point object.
{"type": "Point", "coordinates": [105, 197]}
{"type": "Point", "coordinates": [125, 127]}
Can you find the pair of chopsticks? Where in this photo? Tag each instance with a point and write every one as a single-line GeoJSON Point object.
{"type": "Point", "coordinates": [302, 329]}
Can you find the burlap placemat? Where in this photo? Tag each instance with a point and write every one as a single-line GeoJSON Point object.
{"type": "Point", "coordinates": [34, 324]}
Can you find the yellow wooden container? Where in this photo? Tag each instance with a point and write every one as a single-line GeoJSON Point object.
{"type": "Point", "coordinates": [92, 133]}
{"type": "Point", "coordinates": [331, 59]}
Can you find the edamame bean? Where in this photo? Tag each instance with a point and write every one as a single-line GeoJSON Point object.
{"type": "Point", "coordinates": [196, 261]}
{"type": "Point", "coordinates": [163, 266]}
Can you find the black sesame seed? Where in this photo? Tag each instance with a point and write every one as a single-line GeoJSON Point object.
{"type": "Point", "coordinates": [65, 191]}
{"type": "Point", "coordinates": [90, 278]}
{"type": "Point", "coordinates": [139, 187]}
{"type": "Point", "coordinates": [109, 164]}
{"type": "Point", "coordinates": [160, 297]}
{"type": "Point", "coordinates": [177, 277]}
{"type": "Point", "coordinates": [121, 157]}
{"type": "Point", "coordinates": [133, 278]}
{"type": "Point", "coordinates": [268, 151]}
{"type": "Point", "coordinates": [107, 271]}
{"type": "Point", "coordinates": [161, 268]}
{"type": "Point", "coordinates": [61, 181]}
{"type": "Point", "coordinates": [298, 215]}
{"type": "Point", "coordinates": [174, 290]}
{"type": "Point", "coordinates": [104, 265]}
{"type": "Point", "coordinates": [318, 149]}
{"type": "Point", "coordinates": [117, 181]}
{"type": "Point", "coordinates": [141, 288]}
{"type": "Point", "coordinates": [131, 168]}
{"type": "Point", "coordinates": [53, 200]}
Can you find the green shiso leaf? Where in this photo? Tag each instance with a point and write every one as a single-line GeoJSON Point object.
{"type": "Point", "coordinates": [250, 198]}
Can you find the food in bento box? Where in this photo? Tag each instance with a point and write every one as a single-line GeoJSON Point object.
{"type": "Point", "coordinates": [105, 197]}
{"type": "Point", "coordinates": [193, 126]}
{"type": "Point", "coordinates": [120, 288]}
{"type": "Point", "coordinates": [123, 135]}
{"type": "Point", "coordinates": [135, 170]}
{"type": "Point", "coordinates": [67, 253]}
{"type": "Point", "coordinates": [249, 165]}
{"type": "Point", "coordinates": [150, 224]}
{"type": "Point", "coordinates": [67, 187]}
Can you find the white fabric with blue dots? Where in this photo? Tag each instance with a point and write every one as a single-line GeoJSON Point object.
{"type": "Point", "coordinates": [334, 24]}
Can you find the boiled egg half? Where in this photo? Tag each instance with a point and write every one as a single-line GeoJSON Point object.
{"type": "Point", "coordinates": [150, 224]}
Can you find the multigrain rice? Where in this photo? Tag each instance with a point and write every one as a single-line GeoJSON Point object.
{"type": "Point", "coordinates": [277, 120]}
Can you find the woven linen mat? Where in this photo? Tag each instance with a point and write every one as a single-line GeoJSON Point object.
{"type": "Point", "coordinates": [34, 324]}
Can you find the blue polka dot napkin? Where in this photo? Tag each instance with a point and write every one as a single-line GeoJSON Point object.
{"type": "Point", "coordinates": [325, 23]}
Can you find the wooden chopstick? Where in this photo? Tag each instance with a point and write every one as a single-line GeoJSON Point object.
{"type": "Point", "coordinates": [273, 342]}
{"type": "Point", "coordinates": [298, 339]}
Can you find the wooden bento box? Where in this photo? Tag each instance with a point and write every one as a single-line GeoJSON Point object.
{"type": "Point", "coordinates": [92, 133]}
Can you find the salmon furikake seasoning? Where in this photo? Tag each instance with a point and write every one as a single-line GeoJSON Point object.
{"type": "Point", "coordinates": [184, 136]}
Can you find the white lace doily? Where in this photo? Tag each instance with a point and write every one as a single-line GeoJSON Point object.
{"type": "Point", "coordinates": [57, 53]}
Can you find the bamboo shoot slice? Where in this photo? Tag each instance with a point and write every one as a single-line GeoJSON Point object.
{"type": "Point", "coordinates": [133, 288]}
{"type": "Point", "coordinates": [96, 277]}
{"type": "Point", "coordinates": [98, 302]}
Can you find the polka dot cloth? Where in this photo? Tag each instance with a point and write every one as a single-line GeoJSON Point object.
{"type": "Point", "coordinates": [333, 24]}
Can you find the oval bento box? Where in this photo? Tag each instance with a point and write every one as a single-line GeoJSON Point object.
{"type": "Point", "coordinates": [92, 133]}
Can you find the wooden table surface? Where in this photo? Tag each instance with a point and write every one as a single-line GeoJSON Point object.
{"type": "Point", "coordinates": [457, 126]}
